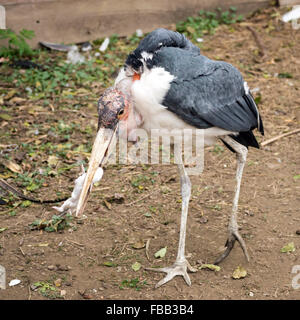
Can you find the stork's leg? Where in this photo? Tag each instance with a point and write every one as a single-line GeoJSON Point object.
{"type": "Point", "coordinates": [181, 265]}
{"type": "Point", "coordinates": [241, 155]}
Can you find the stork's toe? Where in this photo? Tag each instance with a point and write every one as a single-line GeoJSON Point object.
{"type": "Point", "coordinates": [177, 269]}
{"type": "Point", "coordinates": [233, 236]}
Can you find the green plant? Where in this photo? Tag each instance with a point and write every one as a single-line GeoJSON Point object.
{"type": "Point", "coordinates": [133, 283]}
{"type": "Point", "coordinates": [55, 224]}
{"type": "Point", "coordinates": [207, 22]}
{"type": "Point", "coordinates": [230, 16]}
{"type": "Point", "coordinates": [47, 289]}
{"type": "Point", "coordinates": [17, 44]}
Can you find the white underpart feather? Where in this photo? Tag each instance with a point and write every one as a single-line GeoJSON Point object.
{"type": "Point", "coordinates": [70, 204]}
{"type": "Point", "coordinates": [151, 89]}
{"type": "Point", "coordinates": [148, 94]}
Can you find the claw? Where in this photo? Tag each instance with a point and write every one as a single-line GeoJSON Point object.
{"type": "Point", "coordinates": [230, 244]}
{"type": "Point", "coordinates": [177, 269]}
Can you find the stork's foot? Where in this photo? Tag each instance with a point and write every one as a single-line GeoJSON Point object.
{"type": "Point", "coordinates": [233, 236]}
{"type": "Point", "coordinates": [179, 268]}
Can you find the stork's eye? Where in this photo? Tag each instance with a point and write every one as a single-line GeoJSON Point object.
{"type": "Point", "coordinates": [121, 112]}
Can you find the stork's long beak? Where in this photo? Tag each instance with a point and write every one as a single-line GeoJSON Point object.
{"type": "Point", "coordinates": [99, 151]}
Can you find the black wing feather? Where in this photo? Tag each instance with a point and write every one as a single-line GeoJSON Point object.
{"type": "Point", "coordinates": [204, 93]}
{"type": "Point", "coordinates": [207, 93]}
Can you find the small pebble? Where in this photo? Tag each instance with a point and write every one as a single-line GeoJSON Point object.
{"type": "Point", "coordinates": [203, 220]}
{"type": "Point", "coordinates": [63, 292]}
{"type": "Point", "coordinates": [14, 282]}
{"type": "Point", "coordinates": [33, 287]}
{"type": "Point", "coordinates": [51, 267]}
{"type": "Point", "coordinates": [68, 284]}
{"type": "Point", "coordinates": [251, 294]}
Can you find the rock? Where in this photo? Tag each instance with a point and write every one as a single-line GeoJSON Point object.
{"type": "Point", "coordinates": [51, 267]}
{"type": "Point", "coordinates": [14, 282]}
{"type": "Point", "coordinates": [33, 287]}
{"type": "Point", "coordinates": [68, 284]}
{"type": "Point", "coordinates": [203, 220]}
{"type": "Point", "coordinates": [62, 268]}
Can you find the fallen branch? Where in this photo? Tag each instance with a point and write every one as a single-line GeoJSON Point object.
{"type": "Point", "coordinates": [258, 42]}
{"type": "Point", "coordinates": [279, 137]}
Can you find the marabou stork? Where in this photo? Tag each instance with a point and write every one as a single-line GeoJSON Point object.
{"type": "Point", "coordinates": [166, 83]}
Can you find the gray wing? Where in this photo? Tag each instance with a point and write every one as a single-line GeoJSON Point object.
{"type": "Point", "coordinates": [207, 93]}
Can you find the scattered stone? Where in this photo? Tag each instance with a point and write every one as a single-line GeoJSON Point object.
{"type": "Point", "coordinates": [63, 293]}
{"type": "Point", "coordinates": [14, 282]}
{"type": "Point", "coordinates": [117, 198]}
{"type": "Point", "coordinates": [51, 267]}
{"type": "Point", "coordinates": [203, 220]}
{"type": "Point", "coordinates": [85, 295]}
{"type": "Point", "coordinates": [68, 284]}
{"type": "Point", "coordinates": [62, 268]}
{"type": "Point", "coordinates": [33, 287]}
{"type": "Point", "coordinates": [249, 213]}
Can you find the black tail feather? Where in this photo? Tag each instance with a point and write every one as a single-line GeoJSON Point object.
{"type": "Point", "coordinates": [247, 139]}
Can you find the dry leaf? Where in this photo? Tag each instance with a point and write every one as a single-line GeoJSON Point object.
{"type": "Point", "coordinates": [239, 273]}
{"type": "Point", "coordinates": [10, 94]}
{"type": "Point", "coordinates": [52, 160]}
{"type": "Point", "coordinates": [210, 267]}
{"type": "Point", "coordinates": [290, 247]}
{"type": "Point", "coordinates": [136, 266]}
{"type": "Point", "coordinates": [12, 166]}
{"type": "Point", "coordinates": [140, 244]}
{"type": "Point", "coordinates": [5, 116]}
{"type": "Point", "coordinates": [107, 204]}
{"type": "Point", "coordinates": [161, 253]}
{"type": "Point", "coordinates": [57, 282]}
{"type": "Point", "coordinates": [17, 100]}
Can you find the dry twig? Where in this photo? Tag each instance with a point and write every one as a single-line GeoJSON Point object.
{"type": "Point", "coordinates": [279, 137]}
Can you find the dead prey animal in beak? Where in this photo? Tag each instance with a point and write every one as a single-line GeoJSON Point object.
{"type": "Point", "coordinates": [113, 106]}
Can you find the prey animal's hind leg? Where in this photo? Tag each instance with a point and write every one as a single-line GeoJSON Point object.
{"type": "Point", "coordinates": [241, 155]}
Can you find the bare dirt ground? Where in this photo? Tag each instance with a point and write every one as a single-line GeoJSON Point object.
{"type": "Point", "coordinates": [93, 258]}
